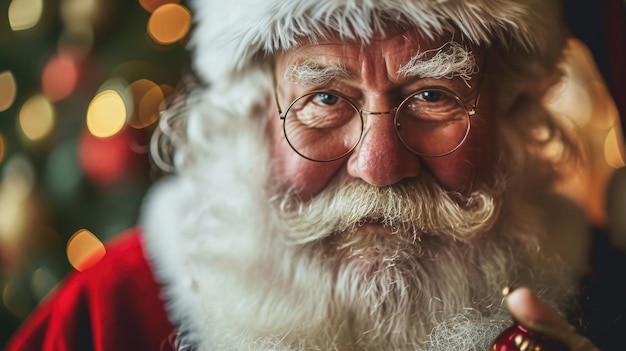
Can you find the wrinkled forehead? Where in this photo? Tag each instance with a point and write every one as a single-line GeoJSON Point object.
{"type": "Point", "coordinates": [403, 50]}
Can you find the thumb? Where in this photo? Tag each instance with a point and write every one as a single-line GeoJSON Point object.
{"type": "Point", "coordinates": [534, 314]}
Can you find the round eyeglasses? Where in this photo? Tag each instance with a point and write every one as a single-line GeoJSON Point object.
{"type": "Point", "coordinates": [325, 126]}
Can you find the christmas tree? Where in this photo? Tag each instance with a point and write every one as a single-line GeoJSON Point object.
{"type": "Point", "coordinates": [81, 84]}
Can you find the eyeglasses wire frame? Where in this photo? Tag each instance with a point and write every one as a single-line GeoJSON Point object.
{"type": "Point", "coordinates": [361, 112]}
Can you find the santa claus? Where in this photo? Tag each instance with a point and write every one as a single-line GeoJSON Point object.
{"type": "Point", "coordinates": [347, 175]}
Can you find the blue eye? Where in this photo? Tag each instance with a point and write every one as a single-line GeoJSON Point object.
{"type": "Point", "coordinates": [327, 99]}
{"type": "Point", "coordinates": [430, 96]}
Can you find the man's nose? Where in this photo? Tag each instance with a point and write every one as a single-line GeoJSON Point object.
{"type": "Point", "coordinates": [381, 158]}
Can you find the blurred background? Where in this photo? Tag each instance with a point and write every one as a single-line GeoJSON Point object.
{"type": "Point", "coordinates": [81, 84]}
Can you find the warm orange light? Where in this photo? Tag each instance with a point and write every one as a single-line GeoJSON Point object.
{"type": "Point", "coordinates": [148, 98]}
{"type": "Point", "coordinates": [37, 117]}
{"type": "Point", "coordinates": [3, 148]}
{"type": "Point", "coordinates": [148, 110]}
{"type": "Point", "coordinates": [137, 90]}
{"type": "Point", "coordinates": [151, 5]}
{"type": "Point", "coordinates": [106, 114]}
{"type": "Point", "coordinates": [8, 90]}
{"type": "Point", "coordinates": [169, 23]}
{"type": "Point", "coordinates": [604, 112]}
{"type": "Point", "coordinates": [84, 250]}
{"type": "Point", "coordinates": [612, 151]}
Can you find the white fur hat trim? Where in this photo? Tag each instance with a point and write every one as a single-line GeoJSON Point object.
{"type": "Point", "coordinates": [230, 35]}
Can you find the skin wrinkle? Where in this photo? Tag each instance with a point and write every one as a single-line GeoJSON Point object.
{"type": "Point", "coordinates": [375, 85]}
{"type": "Point", "coordinates": [402, 291]}
{"type": "Point", "coordinates": [449, 60]}
{"type": "Point", "coordinates": [373, 265]}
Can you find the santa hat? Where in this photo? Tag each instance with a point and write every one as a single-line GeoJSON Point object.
{"type": "Point", "coordinates": [233, 36]}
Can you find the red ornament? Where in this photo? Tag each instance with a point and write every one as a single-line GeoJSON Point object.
{"type": "Point", "coordinates": [518, 338]}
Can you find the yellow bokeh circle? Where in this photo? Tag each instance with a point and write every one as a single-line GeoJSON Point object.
{"type": "Point", "coordinates": [37, 117]}
{"type": "Point", "coordinates": [106, 114]}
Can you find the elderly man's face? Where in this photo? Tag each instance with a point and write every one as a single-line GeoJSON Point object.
{"type": "Point", "coordinates": [369, 75]}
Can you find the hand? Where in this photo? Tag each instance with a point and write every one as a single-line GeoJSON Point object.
{"type": "Point", "coordinates": [536, 315]}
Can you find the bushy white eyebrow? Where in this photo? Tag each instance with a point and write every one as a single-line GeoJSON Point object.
{"type": "Point", "coordinates": [310, 72]}
{"type": "Point", "coordinates": [447, 61]}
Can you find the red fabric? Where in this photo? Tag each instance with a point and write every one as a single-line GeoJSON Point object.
{"type": "Point", "coordinates": [114, 305]}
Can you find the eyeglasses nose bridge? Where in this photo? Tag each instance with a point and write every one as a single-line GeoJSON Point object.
{"type": "Point", "coordinates": [378, 113]}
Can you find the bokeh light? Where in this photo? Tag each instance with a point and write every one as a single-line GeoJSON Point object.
{"type": "Point", "coordinates": [13, 215]}
{"type": "Point", "coordinates": [77, 39]}
{"type": "Point", "coordinates": [612, 151]}
{"type": "Point", "coordinates": [8, 90]}
{"type": "Point", "coordinates": [43, 281]}
{"type": "Point", "coordinates": [106, 114]}
{"type": "Point", "coordinates": [37, 117]}
{"type": "Point", "coordinates": [84, 250]}
{"type": "Point", "coordinates": [3, 147]}
{"type": "Point", "coordinates": [604, 112]}
{"type": "Point", "coordinates": [151, 5]}
{"type": "Point", "coordinates": [12, 294]}
{"type": "Point", "coordinates": [78, 33]}
{"type": "Point", "coordinates": [104, 161]}
{"type": "Point", "coordinates": [73, 11]}
{"type": "Point", "coordinates": [169, 23]}
{"type": "Point", "coordinates": [147, 97]}
{"type": "Point", "coordinates": [15, 189]}
{"type": "Point", "coordinates": [63, 174]}
{"type": "Point", "coordinates": [24, 14]}
{"type": "Point", "coordinates": [56, 176]}
{"type": "Point", "coordinates": [148, 109]}
{"type": "Point", "coordinates": [587, 112]}
{"type": "Point", "coordinates": [60, 76]}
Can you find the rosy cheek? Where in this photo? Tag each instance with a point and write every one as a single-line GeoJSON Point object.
{"type": "Point", "coordinates": [291, 171]}
{"type": "Point", "coordinates": [472, 162]}
{"type": "Point", "coordinates": [306, 177]}
{"type": "Point", "coordinates": [451, 172]}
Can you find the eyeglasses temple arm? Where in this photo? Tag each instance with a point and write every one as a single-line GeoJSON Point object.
{"type": "Point", "coordinates": [278, 109]}
{"type": "Point", "coordinates": [472, 111]}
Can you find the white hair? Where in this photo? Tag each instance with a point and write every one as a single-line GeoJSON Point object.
{"type": "Point", "coordinates": [246, 269]}
{"type": "Point", "coordinates": [448, 61]}
{"type": "Point", "coordinates": [310, 72]}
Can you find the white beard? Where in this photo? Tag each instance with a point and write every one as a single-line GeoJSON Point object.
{"type": "Point", "coordinates": [242, 274]}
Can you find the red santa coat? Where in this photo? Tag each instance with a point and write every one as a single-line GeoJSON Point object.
{"type": "Point", "coordinates": [115, 305]}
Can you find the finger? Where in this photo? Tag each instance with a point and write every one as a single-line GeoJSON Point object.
{"type": "Point", "coordinates": [530, 311]}
{"type": "Point", "coordinates": [533, 313]}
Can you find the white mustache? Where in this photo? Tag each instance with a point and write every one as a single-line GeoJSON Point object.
{"type": "Point", "coordinates": [419, 207]}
